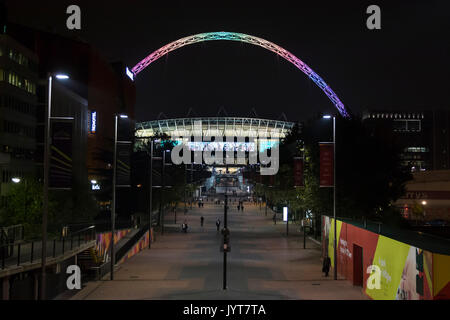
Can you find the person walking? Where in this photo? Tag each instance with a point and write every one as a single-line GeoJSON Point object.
{"type": "Point", "coordinates": [201, 221]}
{"type": "Point", "coordinates": [326, 265]}
{"type": "Point", "coordinates": [218, 224]}
{"type": "Point", "coordinates": [184, 226]}
{"type": "Point", "coordinates": [274, 218]}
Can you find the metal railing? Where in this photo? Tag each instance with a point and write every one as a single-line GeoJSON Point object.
{"type": "Point", "coordinates": [392, 231]}
{"type": "Point", "coordinates": [11, 233]}
{"type": "Point", "coordinates": [22, 252]}
{"type": "Point", "coordinates": [131, 242]}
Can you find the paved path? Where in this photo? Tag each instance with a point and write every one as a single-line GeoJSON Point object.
{"type": "Point", "coordinates": [263, 263]}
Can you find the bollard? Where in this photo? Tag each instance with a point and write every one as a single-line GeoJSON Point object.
{"type": "Point", "coordinates": [18, 254]}
{"type": "Point", "coordinates": [32, 251]}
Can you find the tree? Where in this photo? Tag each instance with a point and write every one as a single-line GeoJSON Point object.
{"type": "Point", "coordinates": [369, 175]}
{"type": "Point", "coordinates": [417, 211]}
{"type": "Point", "coordinates": [174, 174]}
{"type": "Point", "coordinates": [24, 206]}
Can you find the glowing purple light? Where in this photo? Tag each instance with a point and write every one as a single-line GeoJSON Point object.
{"type": "Point", "coordinates": [233, 36]}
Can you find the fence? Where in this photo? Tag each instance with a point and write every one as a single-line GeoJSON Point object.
{"type": "Point", "coordinates": [18, 253]}
{"type": "Point", "coordinates": [11, 234]}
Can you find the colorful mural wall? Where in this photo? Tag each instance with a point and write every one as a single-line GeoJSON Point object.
{"type": "Point", "coordinates": [407, 272]}
{"type": "Point", "coordinates": [104, 241]}
{"type": "Point", "coordinates": [139, 246]}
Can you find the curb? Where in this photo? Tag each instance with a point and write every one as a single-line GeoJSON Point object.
{"type": "Point", "coordinates": [314, 240]}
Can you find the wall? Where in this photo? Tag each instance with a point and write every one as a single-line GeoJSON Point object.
{"type": "Point", "coordinates": [139, 246]}
{"type": "Point", "coordinates": [407, 272]}
{"type": "Point", "coordinates": [104, 241]}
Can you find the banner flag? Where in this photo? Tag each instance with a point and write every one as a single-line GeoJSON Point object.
{"type": "Point", "coordinates": [298, 172]}
{"type": "Point", "coordinates": [326, 165]}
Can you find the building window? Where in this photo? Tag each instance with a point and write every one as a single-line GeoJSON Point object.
{"type": "Point", "coordinates": [17, 81]}
{"type": "Point", "coordinates": [407, 125]}
{"type": "Point", "coordinates": [16, 128]}
{"type": "Point", "coordinates": [18, 57]}
{"type": "Point", "coordinates": [400, 125]}
{"type": "Point", "coordinates": [414, 125]}
{"type": "Point", "coordinates": [15, 104]}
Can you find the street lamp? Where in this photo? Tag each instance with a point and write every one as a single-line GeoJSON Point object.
{"type": "Point", "coordinates": [334, 192]}
{"type": "Point", "coordinates": [46, 178]}
{"type": "Point", "coordinates": [15, 180]}
{"type": "Point", "coordinates": [113, 205]}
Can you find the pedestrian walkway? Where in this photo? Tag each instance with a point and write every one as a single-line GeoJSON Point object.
{"type": "Point", "coordinates": [263, 263]}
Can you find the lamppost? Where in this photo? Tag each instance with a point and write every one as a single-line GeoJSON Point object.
{"type": "Point", "coordinates": [48, 116]}
{"type": "Point", "coordinates": [334, 193]}
{"type": "Point", "coordinates": [113, 205]}
{"type": "Point", "coordinates": [150, 196]}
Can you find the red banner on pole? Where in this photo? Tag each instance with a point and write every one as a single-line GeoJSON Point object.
{"type": "Point", "coordinates": [326, 165]}
{"type": "Point", "coordinates": [298, 172]}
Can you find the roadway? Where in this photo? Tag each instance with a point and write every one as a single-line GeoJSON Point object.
{"type": "Point", "coordinates": [263, 263]}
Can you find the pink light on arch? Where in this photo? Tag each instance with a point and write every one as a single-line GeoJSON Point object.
{"type": "Point", "coordinates": [233, 36]}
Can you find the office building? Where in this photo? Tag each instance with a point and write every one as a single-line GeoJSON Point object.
{"type": "Point", "coordinates": [18, 99]}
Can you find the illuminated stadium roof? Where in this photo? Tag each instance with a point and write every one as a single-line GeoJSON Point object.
{"type": "Point", "coordinates": [215, 126]}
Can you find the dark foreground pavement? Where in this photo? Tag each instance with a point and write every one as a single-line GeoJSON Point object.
{"type": "Point", "coordinates": [263, 263]}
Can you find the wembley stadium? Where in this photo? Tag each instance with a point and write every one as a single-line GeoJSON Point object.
{"type": "Point", "coordinates": [262, 129]}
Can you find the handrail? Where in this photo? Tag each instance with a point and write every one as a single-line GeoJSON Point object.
{"type": "Point", "coordinates": [379, 223]}
{"type": "Point", "coordinates": [131, 242]}
{"type": "Point", "coordinates": [7, 230]}
{"type": "Point", "coordinates": [82, 230]}
{"type": "Point", "coordinates": [16, 254]}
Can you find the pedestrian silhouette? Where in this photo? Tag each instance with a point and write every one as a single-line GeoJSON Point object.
{"type": "Point", "coordinates": [184, 227]}
{"type": "Point", "coordinates": [326, 265]}
{"type": "Point", "coordinates": [274, 218]}
{"type": "Point", "coordinates": [201, 220]}
{"type": "Point", "coordinates": [218, 224]}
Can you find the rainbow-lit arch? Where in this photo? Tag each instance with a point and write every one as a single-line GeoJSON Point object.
{"type": "Point", "coordinates": [248, 39]}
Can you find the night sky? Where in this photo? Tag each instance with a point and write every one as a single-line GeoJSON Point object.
{"type": "Point", "coordinates": [405, 65]}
